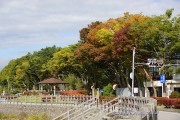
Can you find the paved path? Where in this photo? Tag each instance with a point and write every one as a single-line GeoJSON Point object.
{"type": "Point", "coordinates": [163, 115]}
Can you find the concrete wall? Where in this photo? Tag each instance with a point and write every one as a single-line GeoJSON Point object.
{"type": "Point", "coordinates": [123, 92]}
{"type": "Point", "coordinates": [50, 110]}
{"type": "Point", "coordinates": [127, 92]}
{"type": "Point", "coordinates": [176, 77]}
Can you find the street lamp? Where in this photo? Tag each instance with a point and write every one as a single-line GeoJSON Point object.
{"type": "Point", "coordinates": [132, 91]}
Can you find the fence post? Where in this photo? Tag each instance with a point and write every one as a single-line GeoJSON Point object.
{"type": "Point", "coordinates": [68, 115]}
{"type": "Point", "coordinates": [97, 102]}
{"type": "Point", "coordinates": [17, 101]}
{"type": "Point", "coordinates": [56, 99]}
{"type": "Point", "coordinates": [68, 100]}
{"type": "Point", "coordinates": [51, 100]}
{"type": "Point", "coordinates": [21, 99]}
{"type": "Point", "coordinates": [30, 99]}
{"type": "Point", "coordinates": [41, 99]}
{"type": "Point", "coordinates": [46, 99]}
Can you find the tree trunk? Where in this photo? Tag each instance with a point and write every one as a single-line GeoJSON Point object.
{"type": "Point", "coordinates": [152, 82]}
{"type": "Point", "coordinates": [147, 90]}
{"type": "Point", "coordinates": [139, 86]}
{"type": "Point", "coordinates": [126, 76]}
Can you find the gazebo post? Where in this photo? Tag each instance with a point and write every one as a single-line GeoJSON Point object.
{"type": "Point", "coordinates": [40, 87]}
{"type": "Point", "coordinates": [54, 89]}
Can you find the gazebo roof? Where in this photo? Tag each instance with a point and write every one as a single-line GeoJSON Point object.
{"type": "Point", "coordinates": [53, 81]}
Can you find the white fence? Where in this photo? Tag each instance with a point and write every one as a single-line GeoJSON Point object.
{"type": "Point", "coordinates": [134, 108]}
{"type": "Point", "coordinates": [74, 100]}
{"type": "Point", "coordinates": [53, 106]}
{"type": "Point", "coordinates": [88, 107]}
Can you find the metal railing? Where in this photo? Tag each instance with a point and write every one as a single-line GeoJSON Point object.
{"type": "Point", "coordinates": [132, 107]}
{"type": "Point", "coordinates": [73, 100]}
{"type": "Point", "coordinates": [88, 107]}
{"type": "Point", "coordinates": [79, 111]}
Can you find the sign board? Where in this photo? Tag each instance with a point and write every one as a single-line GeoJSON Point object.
{"type": "Point", "coordinates": [152, 62]}
{"type": "Point", "coordinates": [162, 78]}
{"type": "Point", "coordinates": [135, 90]}
{"type": "Point", "coordinates": [131, 75]}
{"type": "Point", "coordinates": [101, 90]}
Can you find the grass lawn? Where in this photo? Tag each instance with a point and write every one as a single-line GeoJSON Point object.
{"type": "Point", "coordinates": [160, 106]}
{"type": "Point", "coordinates": [24, 116]}
{"type": "Point", "coordinates": [27, 99]}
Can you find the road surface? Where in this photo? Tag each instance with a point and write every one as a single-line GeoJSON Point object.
{"type": "Point", "coordinates": [163, 115]}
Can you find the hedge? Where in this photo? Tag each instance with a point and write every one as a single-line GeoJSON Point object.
{"type": "Point", "coordinates": [168, 102]}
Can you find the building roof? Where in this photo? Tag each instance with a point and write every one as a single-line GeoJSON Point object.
{"type": "Point", "coordinates": [53, 81]}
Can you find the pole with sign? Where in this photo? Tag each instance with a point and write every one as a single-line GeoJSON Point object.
{"type": "Point", "coordinates": [162, 80]}
{"type": "Point", "coordinates": [102, 91]}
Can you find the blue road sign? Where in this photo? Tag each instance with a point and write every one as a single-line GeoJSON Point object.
{"type": "Point", "coordinates": [162, 78]}
{"type": "Point", "coordinates": [101, 90]}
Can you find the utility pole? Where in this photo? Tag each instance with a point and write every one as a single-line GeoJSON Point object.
{"type": "Point", "coordinates": [132, 92]}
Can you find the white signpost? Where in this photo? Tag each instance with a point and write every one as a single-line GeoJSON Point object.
{"type": "Point", "coordinates": [162, 80]}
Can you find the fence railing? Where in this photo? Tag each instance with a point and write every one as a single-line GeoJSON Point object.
{"type": "Point", "coordinates": [74, 100]}
{"type": "Point", "coordinates": [77, 111]}
{"type": "Point", "coordinates": [133, 107]}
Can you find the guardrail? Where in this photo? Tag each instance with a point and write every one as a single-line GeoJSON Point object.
{"type": "Point", "coordinates": [130, 107]}
{"type": "Point", "coordinates": [74, 100]}
{"type": "Point", "coordinates": [135, 108]}
{"type": "Point", "coordinates": [77, 111]}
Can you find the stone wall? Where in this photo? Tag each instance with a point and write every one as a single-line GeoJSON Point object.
{"type": "Point", "coordinates": [50, 110]}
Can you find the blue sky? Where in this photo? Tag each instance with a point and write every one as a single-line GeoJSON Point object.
{"type": "Point", "coordinates": [29, 25]}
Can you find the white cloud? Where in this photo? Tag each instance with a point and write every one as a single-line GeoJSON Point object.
{"type": "Point", "coordinates": [33, 24]}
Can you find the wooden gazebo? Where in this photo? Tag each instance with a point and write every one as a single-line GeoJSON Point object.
{"type": "Point", "coordinates": [53, 82]}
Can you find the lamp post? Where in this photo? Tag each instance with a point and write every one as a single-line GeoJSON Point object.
{"type": "Point", "coordinates": [132, 91]}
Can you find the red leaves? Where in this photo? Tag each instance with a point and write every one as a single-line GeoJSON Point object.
{"type": "Point", "coordinates": [112, 39]}
{"type": "Point", "coordinates": [168, 102]}
{"type": "Point", "coordinates": [83, 50]}
{"type": "Point", "coordinates": [177, 103]}
{"type": "Point", "coordinates": [122, 41]}
{"type": "Point", "coordinates": [74, 92]}
{"type": "Point", "coordinates": [101, 54]}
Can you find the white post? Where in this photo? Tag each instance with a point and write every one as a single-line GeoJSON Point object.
{"type": "Point", "coordinates": [162, 90]}
{"type": "Point", "coordinates": [132, 92]}
{"type": "Point", "coordinates": [41, 87]}
{"type": "Point", "coordinates": [93, 92]}
{"type": "Point", "coordinates": [145, 93]}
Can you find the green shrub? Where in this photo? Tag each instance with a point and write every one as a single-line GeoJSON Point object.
{"type": "Point", "coordinates": [41, 116]}
{"type": "Point", "coordinates": [5, 116]}
{"type": "Point", "coordinates": [22, 116]}
{"type": "Point", "coordinates": [33, 117]}
{"type": "Point", "coordinates": [175, 94]}
{"type": "Point", "coordinates": [108, 90]}
{"type": "Point", "coordinates": [15, 92]}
